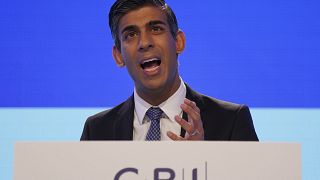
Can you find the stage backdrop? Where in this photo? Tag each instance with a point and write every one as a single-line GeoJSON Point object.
{"type": "Point", "coordinates": [56, 67]}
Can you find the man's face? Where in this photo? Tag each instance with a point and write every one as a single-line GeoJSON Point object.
{"type": "Point", "coordinates": [149, 50]}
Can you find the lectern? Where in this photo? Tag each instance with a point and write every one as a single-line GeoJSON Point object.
{"type": "Point", "coordinates": [115, 160]}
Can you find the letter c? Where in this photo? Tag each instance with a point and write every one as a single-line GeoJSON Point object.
{"type": "Point", "coordinates": [125, 170]}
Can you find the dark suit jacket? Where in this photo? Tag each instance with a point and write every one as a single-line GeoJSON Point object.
{"type": "Point", "coordinates": [221, 121]}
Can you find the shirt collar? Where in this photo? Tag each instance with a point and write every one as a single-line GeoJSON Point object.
{"type": "Point", "coordinates": [171, 107]}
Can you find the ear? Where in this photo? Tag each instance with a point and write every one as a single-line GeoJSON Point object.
{"type": "Point", "coordinates": [117, 57]}
{"type": "Point", "coordinates": [180, 41]}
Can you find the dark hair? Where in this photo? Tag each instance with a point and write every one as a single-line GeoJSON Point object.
{"type": "Point", "coordinates": [122, 7]}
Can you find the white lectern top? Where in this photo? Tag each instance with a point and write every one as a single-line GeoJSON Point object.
{"type": "Point", "coordinates": [157, 160]}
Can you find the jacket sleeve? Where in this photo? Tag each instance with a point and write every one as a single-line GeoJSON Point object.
{"type": "Point", "coordinates": [243, 128]}
{"type": "Point", "coordinates": [85, 132]}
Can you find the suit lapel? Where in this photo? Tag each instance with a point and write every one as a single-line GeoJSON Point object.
{"type": "Point", "coordinates": [123, 128]}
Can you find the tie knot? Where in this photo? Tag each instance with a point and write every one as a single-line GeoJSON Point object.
{"type": "Point", "coordinates": [154, 113]}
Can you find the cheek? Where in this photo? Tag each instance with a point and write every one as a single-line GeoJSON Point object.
{"type": "Point", "coordinates": [129, 51]}
{"type": "Point", "coordinates": [126, 55]}
{"type": "Point", "coordinates": [129, 60]}
{"type": "Point", "coordinates": [172, 48]}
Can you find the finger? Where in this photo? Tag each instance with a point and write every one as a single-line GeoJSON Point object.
{"type": "Point", "coordinates": [192, 104]}
{"type": "Point", "coordinates": [174, 137]}
{"type": "Point", "coordinates": [184, 124]}
{"type": "Point", "coordinates": [195, 117]}
{"type": "Point", "coordinates": [197, 137]}
{"type": "Point", "coordinates": [192, 113]}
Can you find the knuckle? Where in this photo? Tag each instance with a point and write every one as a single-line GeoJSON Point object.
{"type": "Point", "coordinates": [187, 108]}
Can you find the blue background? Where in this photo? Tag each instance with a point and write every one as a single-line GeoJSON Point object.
{"type": "Point", "coordinates": [264, 54]}
{"type": "Point", "coordinates": [56, 67]}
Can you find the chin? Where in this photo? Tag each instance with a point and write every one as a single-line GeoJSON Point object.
{"type": "Point", "coordinates": [153, 86]}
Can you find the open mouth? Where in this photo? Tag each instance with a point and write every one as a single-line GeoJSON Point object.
{"type": "Point", "coordinates": [150, 64]}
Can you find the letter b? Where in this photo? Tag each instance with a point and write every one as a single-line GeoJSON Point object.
{"type": "Point", "coordinates": [157, 171]}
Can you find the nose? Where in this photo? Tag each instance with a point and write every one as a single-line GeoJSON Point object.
{"type": "Point", "coordinates": [145, 42]}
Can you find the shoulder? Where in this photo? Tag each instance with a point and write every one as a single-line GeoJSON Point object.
{"type": "Point", "coordinates": [205, 102]}
{"type": "Point", "coordinates": [109, 114]}
{"type": "Point", "coordinates": [223, 111]}
{"type": "Point", "coordinates": [212, 103]}
{"type": "Point", "coordinates": [101, 126]}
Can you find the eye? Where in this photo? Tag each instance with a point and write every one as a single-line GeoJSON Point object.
{"type": "Point", "coordinates": [157, 29]}
{"type": "Point", "coordinates": [130, 34]}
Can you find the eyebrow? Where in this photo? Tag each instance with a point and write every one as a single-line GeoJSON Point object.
{"type": "Point", "coordinates": [128, 28]}
{"type": "Point", "coordinates": [152, 23]}
{"type": "Point", "coordinates": [133, 27]}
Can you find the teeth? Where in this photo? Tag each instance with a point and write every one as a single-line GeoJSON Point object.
{"type": "Point", "coordinates": [149, 63]}
{"type": "Point", "coordinates": [149, 60]}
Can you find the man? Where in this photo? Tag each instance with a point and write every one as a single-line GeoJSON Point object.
{"type": "Point", "coordinates": [162, 107]}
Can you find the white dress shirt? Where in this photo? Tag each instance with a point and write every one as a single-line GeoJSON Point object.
{"type": "Point", "coordinates": [170, 107]}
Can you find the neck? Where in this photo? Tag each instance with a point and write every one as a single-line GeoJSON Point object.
{"type": "Point", "coordinates": [156, 97]}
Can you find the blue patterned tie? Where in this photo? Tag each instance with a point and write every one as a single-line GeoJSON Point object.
{"type": "Point", "coordinates": [154, 115]}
